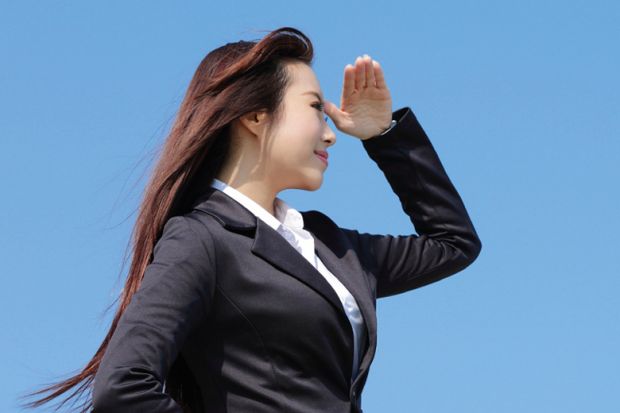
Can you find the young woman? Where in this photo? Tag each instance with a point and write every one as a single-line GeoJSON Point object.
{"type": "Point", "coordinates": [237, 302]}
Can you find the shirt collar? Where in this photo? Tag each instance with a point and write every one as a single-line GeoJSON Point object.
{"type": "Point", "coordinates": [284, 213]}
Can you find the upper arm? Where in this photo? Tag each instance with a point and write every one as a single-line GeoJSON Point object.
{"type": "Point", "coordinates": [172, 299]}
{"type": "Point", "coordinates": [401, 263]}
{"type": "Point", "coordinates": [446, 240]}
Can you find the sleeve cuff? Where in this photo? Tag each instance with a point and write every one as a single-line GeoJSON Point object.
{"type": "Point", "coordinates": [399, 117]}
{"type": "Point", "coordinates": [392, 124]}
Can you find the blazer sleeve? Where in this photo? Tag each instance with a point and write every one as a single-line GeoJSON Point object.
{"type": "Point", "coordinates": [446, 241]}
{"type": "Point", "coordinates": [172, 299]}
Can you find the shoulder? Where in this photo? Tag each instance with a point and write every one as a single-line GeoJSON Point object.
{"type": "Point", "coordinates": [324, 227]}
{"type": "Point", "coordinates": [188, 234]}
{"type": "Point", "coordinates": [316, 216]}
{"type": "Point", "coordinates": [318, 221]}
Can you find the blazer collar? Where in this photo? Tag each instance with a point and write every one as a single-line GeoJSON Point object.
{"type": "Point", "coordinates": [230, 213]}
{"type": "Point", "coordinates": [330, 246]}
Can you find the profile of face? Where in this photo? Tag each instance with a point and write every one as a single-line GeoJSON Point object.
{"type": "Point", "coordinates": [285, 157]}
{"type": "Point", "coordinates": [268, 160]}
{"type": "Point", "coordinates": [290, 151]}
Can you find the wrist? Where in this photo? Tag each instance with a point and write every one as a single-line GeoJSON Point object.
{"type": "Point", "coordinates": [389, 128]}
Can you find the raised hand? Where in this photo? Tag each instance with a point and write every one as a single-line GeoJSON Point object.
{"type": "Point", "coordinates": [365, 105]}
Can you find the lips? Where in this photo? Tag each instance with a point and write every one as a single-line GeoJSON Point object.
{"type": "Point", "coordinates": [322, 155]}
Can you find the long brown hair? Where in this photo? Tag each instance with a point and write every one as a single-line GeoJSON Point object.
{"type": "Point", "coordinates": [230, 81]}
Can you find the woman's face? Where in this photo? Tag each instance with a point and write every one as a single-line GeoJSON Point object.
{"type": "Point", "coordinates": [300, 132]}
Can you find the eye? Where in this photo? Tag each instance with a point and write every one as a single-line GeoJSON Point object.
{"type": "Point", "coordinates": [318, 105]}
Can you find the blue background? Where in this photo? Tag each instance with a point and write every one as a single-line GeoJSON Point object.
{"type": "Point", "coordinates": [520, 99]}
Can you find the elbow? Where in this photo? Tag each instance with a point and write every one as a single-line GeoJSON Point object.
{"type": "Point", "coordinates": [129, 389]}
{"type": "Point", "coordinates": [104, 398]}
{"type": "Point", "coordinates": [471, 248]}
{"type": "Point", "coordinates": [102, 404]}
{"type": "Point", "coordinates": [466, 249]}
{"type": "Point", "coordinates": [107, 395]}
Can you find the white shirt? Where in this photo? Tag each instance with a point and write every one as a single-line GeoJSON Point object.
{"type": "Point", "coordinates": [289, 223]}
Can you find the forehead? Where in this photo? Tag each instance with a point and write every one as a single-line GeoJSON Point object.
{"type": "Point", "coordinates": [303, 79]}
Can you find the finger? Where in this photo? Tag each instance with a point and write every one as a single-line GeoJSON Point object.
{"type": "Point", "coordinates": [333, 112]}
{"type": "Point", "coordinates": [360, 75]}
{"type": "Point", "coordinates": [379, 78]}
{"type": "Point", "coordinates": [349, 81]}
{"type": "Point", "coordinates": [329, 108]}
{"type": "Point", "coordinates": [370, 73]}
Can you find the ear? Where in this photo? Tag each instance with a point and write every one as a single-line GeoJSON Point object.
{"type": "Point", "coordinates": [255, 122]}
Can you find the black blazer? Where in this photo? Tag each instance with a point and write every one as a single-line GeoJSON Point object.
{"type": "Point", "coordinates": [256, 326]}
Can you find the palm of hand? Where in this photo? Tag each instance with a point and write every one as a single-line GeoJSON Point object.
{"type": "Point", "coordinates": [365, 104]}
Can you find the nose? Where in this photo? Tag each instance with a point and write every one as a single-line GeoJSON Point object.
{"type": "Point", "coordinates": [329, 135]}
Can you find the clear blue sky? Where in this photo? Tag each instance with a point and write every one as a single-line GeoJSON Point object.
{"type": "Point", "coordinates": [520, 99]}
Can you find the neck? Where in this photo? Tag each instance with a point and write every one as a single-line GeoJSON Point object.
{"type": "Point", "coordinates": [256, 190]}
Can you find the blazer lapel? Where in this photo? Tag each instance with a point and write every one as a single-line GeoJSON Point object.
{"type": "Point", "coordinates": [329, 246]}
{"type": "Point", "coordinates": [342, 262]}
{"type": "Point", "coordinates": [272, 247]}
{"type": "Point", "coordinates": [268, 244]}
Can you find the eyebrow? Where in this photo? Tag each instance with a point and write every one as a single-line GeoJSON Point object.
{"type": "Point", "coordinates": [312, 92]}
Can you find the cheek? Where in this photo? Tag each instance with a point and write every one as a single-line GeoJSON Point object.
{"type": "Point", "coordinates": [299, 144]}
{"type": "Point", "coordinates": [287, 153]}
{"type": "Point", "coordinates": [296, 142]}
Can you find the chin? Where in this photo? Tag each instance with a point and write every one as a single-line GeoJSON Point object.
{"type": "Point", "coordinates": [316, 184]}
{"type": "Point", "coordinates": [311, 183]}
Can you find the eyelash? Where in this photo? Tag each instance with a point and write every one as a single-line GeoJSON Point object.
{"type": "Point", "coordinates": [320, 107]}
